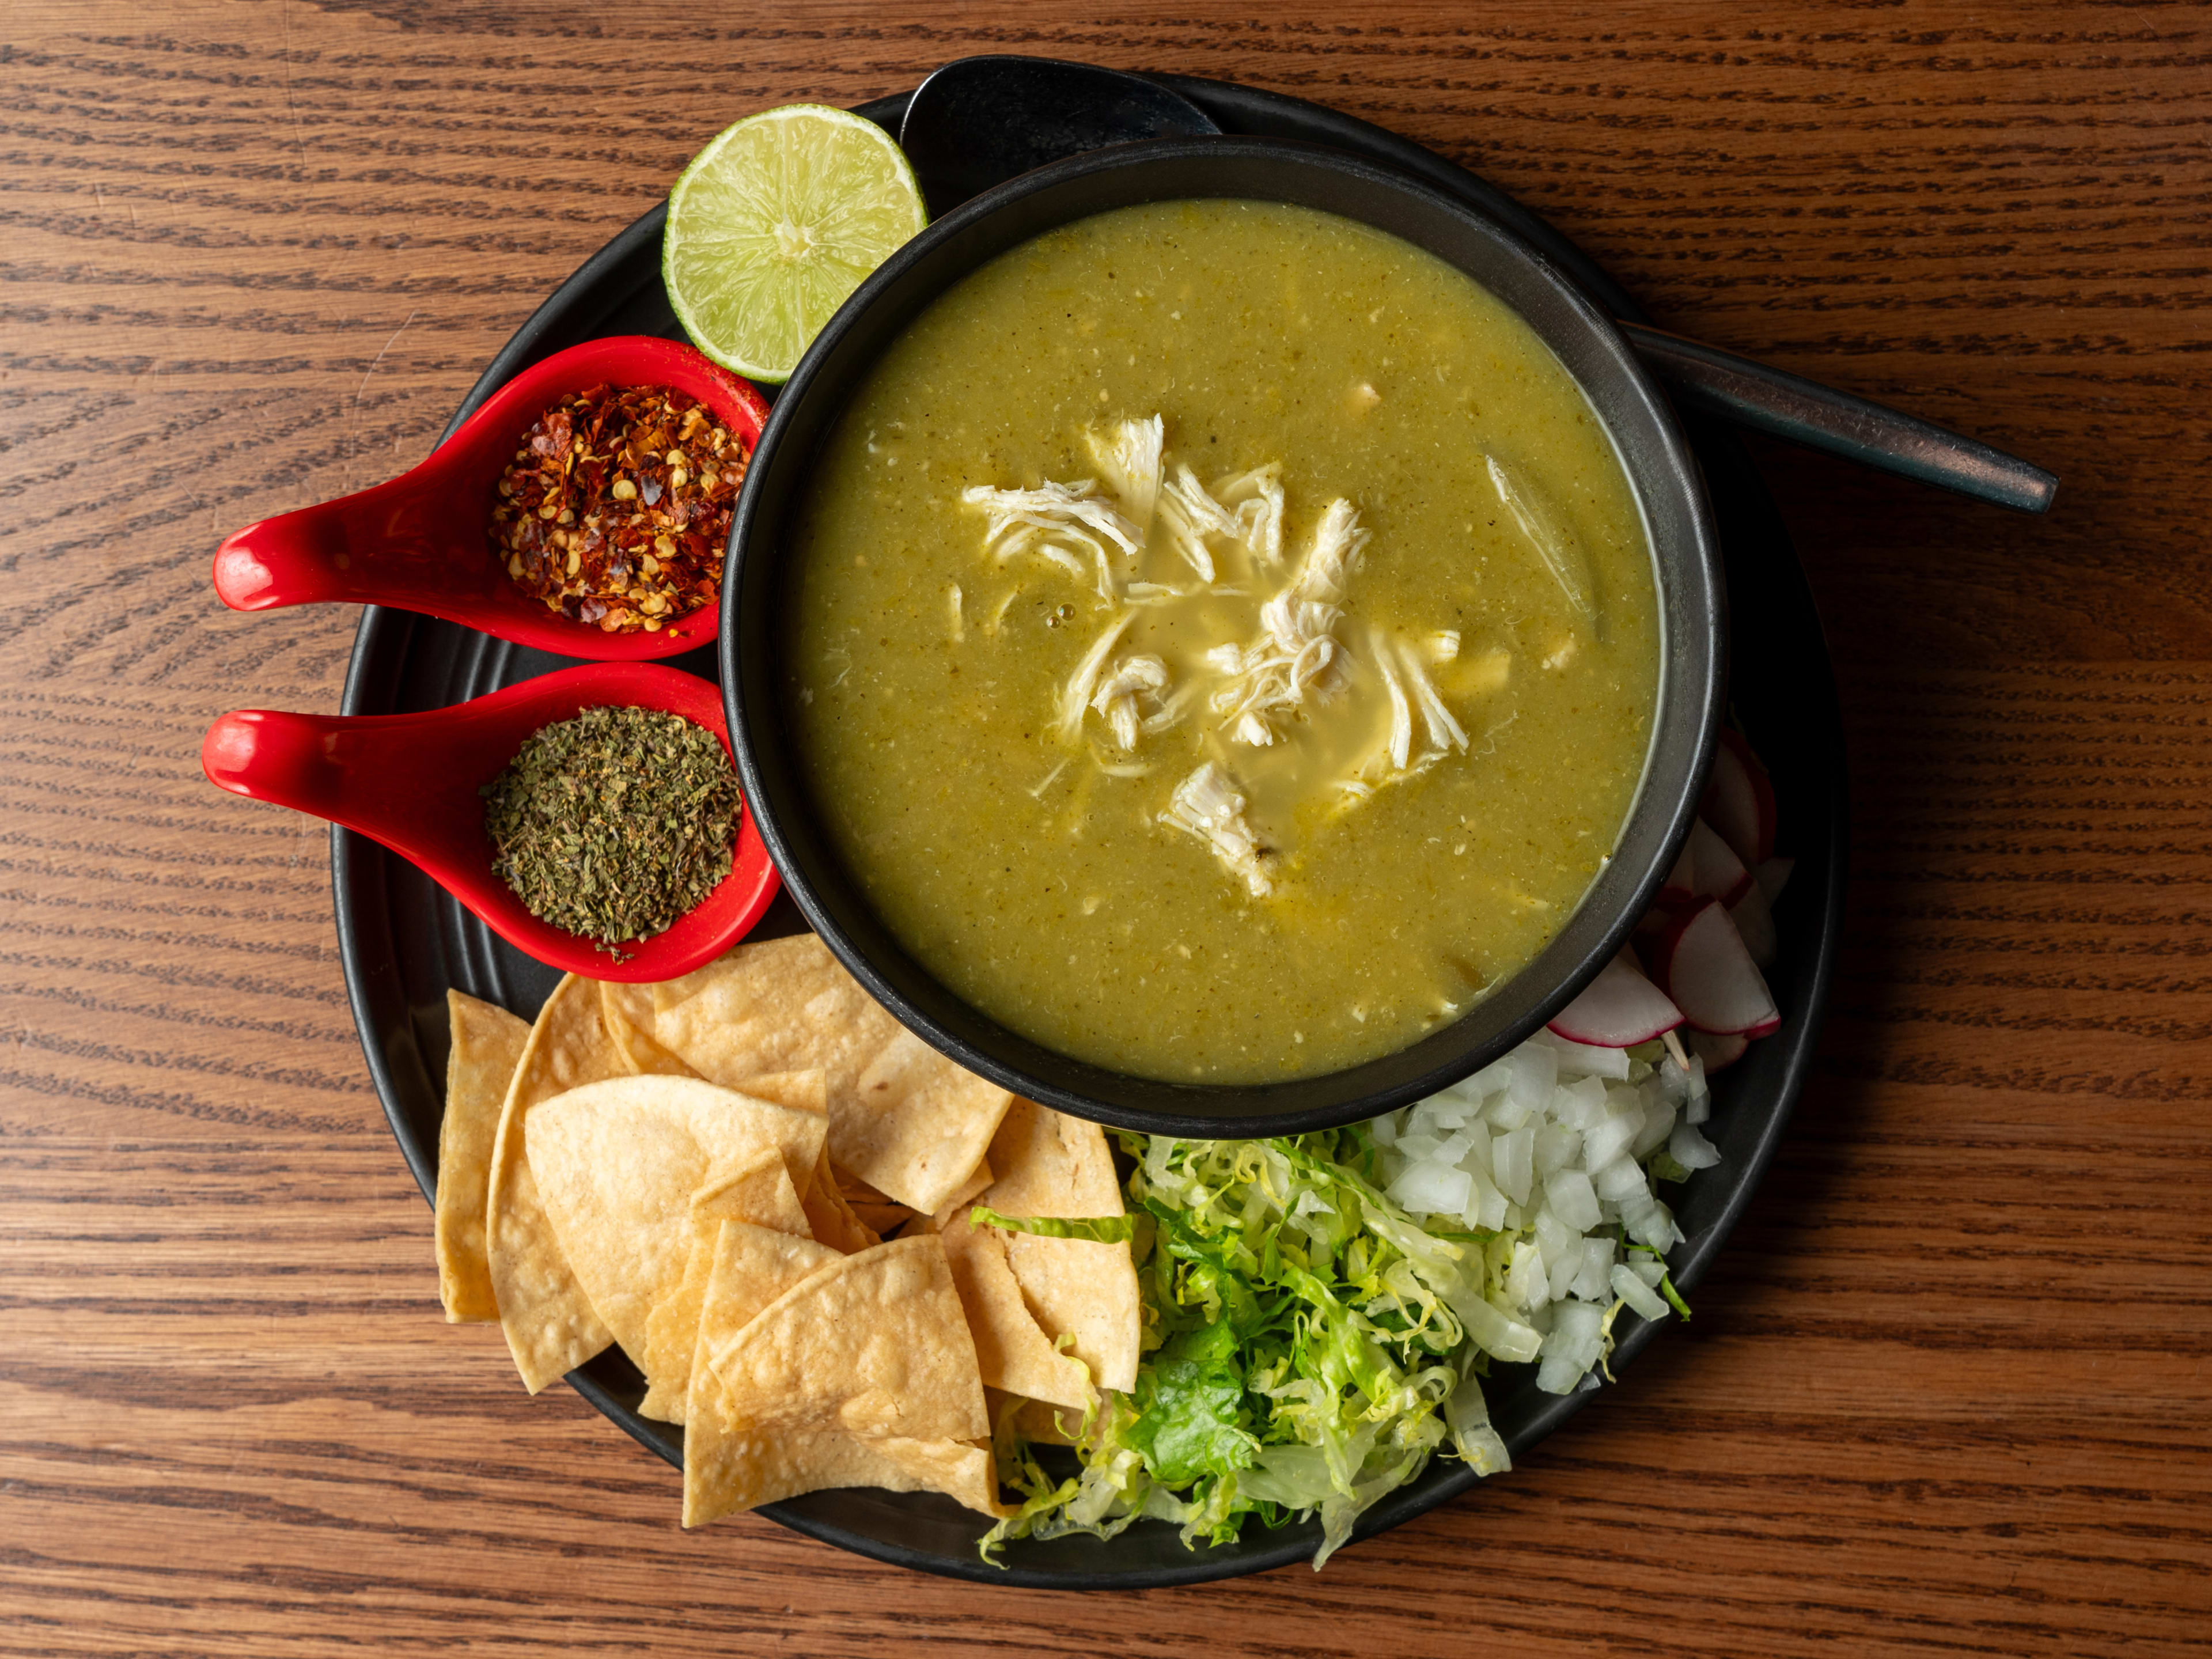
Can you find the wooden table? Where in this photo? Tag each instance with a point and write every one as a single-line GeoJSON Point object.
{"type": "Point", "coordinates": [1949, 1388]}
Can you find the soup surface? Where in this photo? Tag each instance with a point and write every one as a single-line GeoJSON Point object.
{"type": "Point", "coordinates": [1225, 640]}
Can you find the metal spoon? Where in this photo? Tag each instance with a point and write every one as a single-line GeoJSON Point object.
{"type": "Point", "coordinates": [979, 121]}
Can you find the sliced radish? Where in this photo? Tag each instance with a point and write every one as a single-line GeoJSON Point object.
{"type": "Point", "coordinates": [1618, 1009]}
{"type": "Point", "coordinates": [1703, 966]}
{"type": "Point", "coordinates": [1739, 801]}
{"type": "Point", "coordinates": [1682, 884]}
{"type": "Point", "coordinates": [1719, 1053]}
{"type": "Point", "coordinates": [1756, 923]}
{"type": "Point", "coordinates": [1772, 877]}
{"type": "Point", "coordinates": [1717, 872]}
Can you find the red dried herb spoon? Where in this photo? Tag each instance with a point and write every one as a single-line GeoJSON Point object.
{"type": "Point", "coordinates": [410, 781]}
{"type": "Point", "coordinates": [420, 542]}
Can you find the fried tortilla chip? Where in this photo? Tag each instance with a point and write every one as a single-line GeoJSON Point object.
{"type": "Point", "coordinates": [980, 1181]}
{"type": "Point", "coordinates": [875, 1344]}
{"type": "Point", "coordinates": [628, 1012]}
{"type": "Point", "coordinates": [488, 1044]}
{"type": "Point", "coordinates": [617, 1163]}
{"type": "Point", "coordinates": [737, 1268]}
{"type": "Point", "coordinates": [919, 1125]}
{"type": "Point", "coordinates": [1013, 1352]}
{"type": "Point", "coordinates": [1084, 1292]}
{"type": "Point", "coordinates": [732, 1463]}
{"type": "Point", "coordinates": [902, 1117]}
{"type": "Point", "coordinates": [832, 1219]}
{"type": "Point", "coordinates": [727, 1469]}
{"type": "Point", "coordinates": [1051, 1165]}
{"type": "Point", "coordinates": [761, 1195]}
{"type": "Point", "coordinates": [550, 1324]}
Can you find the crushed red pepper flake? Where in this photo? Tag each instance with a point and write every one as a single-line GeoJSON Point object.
{"type": "Point", "coordinates": [616, 508]}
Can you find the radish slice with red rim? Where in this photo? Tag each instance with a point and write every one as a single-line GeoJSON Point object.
{"type": "Point", "coordinates": [1703, 966]}
{"type": "Point", "coordinates": [1618, 1009]}
{"type": "Point", "coordinates": [1739, 800]}
{"type": "Point", "coordinates": [1755, 922]}
{"type": "Point", "coordinates": [1717, 872]}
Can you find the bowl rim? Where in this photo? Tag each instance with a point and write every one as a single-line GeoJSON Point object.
{"type": "Point", "coordinates": [1693, 672]}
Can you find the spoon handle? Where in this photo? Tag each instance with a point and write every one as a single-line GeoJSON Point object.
{"type": "Point", "coordinates": [1820, 417]}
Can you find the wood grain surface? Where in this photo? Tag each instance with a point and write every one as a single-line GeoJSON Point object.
{"type": "Point", "coordinates": [1948, 1391]}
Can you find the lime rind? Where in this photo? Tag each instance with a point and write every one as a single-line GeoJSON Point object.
{"type": "Point", "coordinates": [773, 226]}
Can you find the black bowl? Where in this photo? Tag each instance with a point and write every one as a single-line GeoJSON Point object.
{"type": "Point", "coordinates": [1693, 624]}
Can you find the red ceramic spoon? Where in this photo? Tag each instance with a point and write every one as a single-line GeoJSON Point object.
{"type": "Point", "coordinates": [419, 542]}
{"type": "Point", "coordinates": [410, 781]}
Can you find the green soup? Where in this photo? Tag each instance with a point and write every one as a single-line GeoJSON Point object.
{"type": "Point", "coordinates": [1225, 640]}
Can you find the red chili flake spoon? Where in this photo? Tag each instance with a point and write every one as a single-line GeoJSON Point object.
{"type": "Point", "coordinates": [410, 781]}
{"type": "Point", "coordinates": [422, 542]}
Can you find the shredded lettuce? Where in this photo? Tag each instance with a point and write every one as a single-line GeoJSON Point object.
{"type": "Point", "coordinates": [1099, 1229]}
{"type": "Point", "coordinates": [1307, 1346]}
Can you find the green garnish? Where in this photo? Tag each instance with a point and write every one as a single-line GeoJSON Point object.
{"type": "Point", "coordinates": [1308, 1348]}
{"type": "Point", "coordinates": [1099, 1229]}
{"type": "Point", "coordinates": [613, 824]}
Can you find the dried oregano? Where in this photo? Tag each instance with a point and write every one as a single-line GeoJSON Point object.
{"type": "Point", "coordinates": [612, 825]}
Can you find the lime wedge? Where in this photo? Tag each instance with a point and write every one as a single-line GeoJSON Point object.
{"type": "Point", "coordinates": [774, 223]}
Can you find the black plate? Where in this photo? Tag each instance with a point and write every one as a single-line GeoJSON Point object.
{"type": "Point", "coordinates": [403, 942]}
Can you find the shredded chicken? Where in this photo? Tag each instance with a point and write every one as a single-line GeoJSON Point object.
{"type": "Point", "coordinates": [1081, 683]}
{"type": "Point", "coordinates": [1256, 498]}
{"type": "Point", "coordinates": [1445, 732]}
{"type": "Point", "coordinates": [1258, 692]}
{"type": "Point", "coordinates": [1402, 712]}
{"type": "Point", "coordinates": [1117, 694]}
{"type": "Point", "coordinates": [1207, 804]}
{"type": "Point", "coordinates": [1056, 520]}
{"type": "Point", "coordinates": [1299, 651]}
{"type": "Point", "coordinates": [1191, 515]}
{"type": "Point", "coordinates": [1128, 457]}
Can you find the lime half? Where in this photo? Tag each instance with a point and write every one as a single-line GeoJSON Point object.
{"type": "Point", "coordinates": [774, 223]}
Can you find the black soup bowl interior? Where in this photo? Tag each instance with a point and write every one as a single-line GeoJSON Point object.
{"type": "Point", "coordinates": [1691, 625]}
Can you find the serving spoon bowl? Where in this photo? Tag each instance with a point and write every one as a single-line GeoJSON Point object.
{"type": "Point", "coordinates": [419, 542]}
{"type": "Point", "coordinates": [409, 781]}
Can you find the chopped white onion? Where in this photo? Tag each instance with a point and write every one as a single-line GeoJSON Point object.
{"type": "Point", "coordinates": [1637, 1294]}
{"type": "Point", "coordinates": [1551, 1149]}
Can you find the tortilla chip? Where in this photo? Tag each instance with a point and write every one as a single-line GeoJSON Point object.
{"type": "Point", "coordinates": [761, 1195]}
{"type": "Point", "coordinates": [920, 1125]}
{"type": "Point", "coordinates": [1051, 1165]}
{"type": "Point", "coordinates": [617, 1163]}
{"type": "Point", "coordinates": [727, 1469]}
{"type": "Point", "coordinates": [875, 1344]}
{"type": "Point", "coordinates": [737, 1268]}
{"type": "Point", "coordinates": [915, 1131]}
{"type": "Point", "coordinates": [488, 1044]}
{"type": "Point", "coordinates": [806, 1091]}
{"type": "Point", "coordinates": [761, 1191]}
{"type": "Point", "coordinates": [733, 1461]}
{"type": "Point", "coordinates": [550, 1324]}
{"type": "Point", "coordinates": [980, 1181]}
{"type": "Point", "coordinates": [1013, 1352]}
{"type": "Point", "coordinates": [1086, 1292]}
{"type": "Point", "coordinates": [628, 1012]}
{"type": "Point", "coordinates": [832, 1219]}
